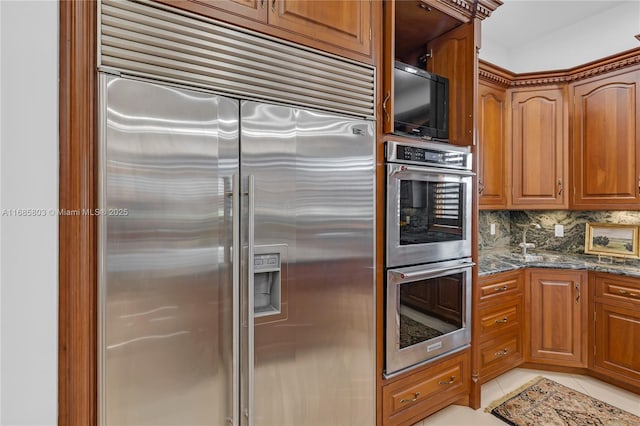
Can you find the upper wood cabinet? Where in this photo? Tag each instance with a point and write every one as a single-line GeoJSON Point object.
{"type": "Point", "coordinates": [557, 317]}
{"type": "Point", "coordinates": [606, 142]}
{"type": "Point", "coordinates": [539, 148]}
{"type": "Point", "coordinates": [341, 27]}
{"type": "Point", "coordinates": [455, 55]}
{"type": "Point", "coordinates": [492, 147]}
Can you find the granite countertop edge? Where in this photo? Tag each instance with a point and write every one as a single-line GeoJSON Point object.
{"type": "Point", "coordinates": [496, 261]}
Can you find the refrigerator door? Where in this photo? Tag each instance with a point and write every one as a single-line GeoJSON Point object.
{"type": "Point", "coordinates": [168, 156]}
{"type": "Point", "coordinates": [312, 269]}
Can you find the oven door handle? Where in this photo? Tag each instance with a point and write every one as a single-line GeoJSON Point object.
{"type": "Point", "coordinates": [428, 273]}
{"type": "Point", "coordinates": [402, 168]}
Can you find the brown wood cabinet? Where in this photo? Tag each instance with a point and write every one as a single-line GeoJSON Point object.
{"type": "Point", "coordinates": [539, 147]}
{"type": "Point", "coordinates": [557, 316]}
{"type": "Point", "coordinates": [616, 332]}
{"type": "Point", "coordinates": [501, 324]}
{"type": "Point", "coordinates": [492, 147]}
{"type": "Point", "coordinates": [426, 390]}
{"type": "Point", "coordinates": [340, 27]}
{"type": "Point", "coordinates": [455, 56]}
{"type": "Point", "coordinates": [606, 141]}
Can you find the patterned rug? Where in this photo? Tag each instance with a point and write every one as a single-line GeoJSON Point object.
{"type": "Point", "coordinates": [545, 402]}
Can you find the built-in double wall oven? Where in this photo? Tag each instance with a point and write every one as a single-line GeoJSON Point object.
{"type": "Point", "coordinates": [428, 252]}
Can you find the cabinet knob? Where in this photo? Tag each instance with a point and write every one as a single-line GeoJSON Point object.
{"type": "Point", "coordinates": [415, 398]}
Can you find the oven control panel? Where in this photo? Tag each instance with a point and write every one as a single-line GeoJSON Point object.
{"type": "Point", "coordinates": [429, 153]}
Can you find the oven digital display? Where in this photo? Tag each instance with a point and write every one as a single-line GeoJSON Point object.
{"type": "Point", "coordinates": [431, 156]}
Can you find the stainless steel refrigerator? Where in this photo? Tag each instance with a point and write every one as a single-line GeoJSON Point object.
{"type": "Point", "coordinates": [237, 266]}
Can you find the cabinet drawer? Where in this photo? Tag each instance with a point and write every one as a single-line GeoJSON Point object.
{"type": "Point", "coordinates": [500, 354]}
{"type": "Point", "coordinates": [493, 320]}
{"type": "Point", "coordinates": [495, 287]}
{"type": "Point", "coordinates": [445, 380]}
{"type": "Point", "coordinates": [426, 391]}
{"type": "Point", "coordinates": [617, 288]}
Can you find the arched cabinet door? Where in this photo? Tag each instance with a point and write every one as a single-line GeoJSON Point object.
{"type": "Point", "coordinates": [539, 154]}
{"type": "Point", "coordinates": [606, 142]}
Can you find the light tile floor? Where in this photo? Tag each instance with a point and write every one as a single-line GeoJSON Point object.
{"type": "Point", "coordinates": [455, 415]}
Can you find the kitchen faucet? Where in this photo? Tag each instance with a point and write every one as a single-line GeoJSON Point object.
{"type": "Point", "coordinates": [524, 244]}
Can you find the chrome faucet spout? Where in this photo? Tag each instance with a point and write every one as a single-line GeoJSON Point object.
{"type": "Point", "coordinates": [524, 245]}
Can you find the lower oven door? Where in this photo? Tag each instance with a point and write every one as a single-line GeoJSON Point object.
{"type": "Point", "coordinates": [428, 312]}
{"type": "Point", "coordinates": [428, 214]}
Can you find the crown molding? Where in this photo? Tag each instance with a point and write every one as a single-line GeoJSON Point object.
{"type": "Point", "coordinates": [465, 10]}
{"type": "Point", "coordinates": [505, 78]}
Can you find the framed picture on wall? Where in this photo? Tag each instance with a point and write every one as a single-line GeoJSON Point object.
{"type": "Point", "coordinates": [612, 240]}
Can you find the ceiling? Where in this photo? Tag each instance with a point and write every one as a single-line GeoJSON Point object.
{"type": "Point", "coordinates": [519, 22]}
{"type": "Point", "coordinates": [539, 35]}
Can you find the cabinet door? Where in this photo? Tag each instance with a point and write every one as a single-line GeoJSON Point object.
{"type": "Point", "coordinates": [346, 24]}
{"type": "Point", "coordinates": [557, 317]}
{"type": "Point", "coordinates": [539, 148]}
{"type": "Point", "coordinates": [252, 9]}
{"type": "Point", "coordinates": [606, 146]}
{"type": "Point", "coordinates": [454, 55]}
{"type": "Point", "coordinates": [492, 145]}
{"type": "Point", "coordinates": [616, 330]}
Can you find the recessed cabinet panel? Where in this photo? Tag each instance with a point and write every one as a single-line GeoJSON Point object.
{"type": "Point", "coordinates": [606, 142]}
{"type": "Point", "coordinates": [539, 148]}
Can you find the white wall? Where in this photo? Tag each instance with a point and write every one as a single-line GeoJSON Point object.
{"type": "Point", "coordinates": [28, 180]}
{"type": "Point", "coordinates": [589, 39]}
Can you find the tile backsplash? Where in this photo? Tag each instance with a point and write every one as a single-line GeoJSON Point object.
{"type": "Point", "coordinates": [510, 225]}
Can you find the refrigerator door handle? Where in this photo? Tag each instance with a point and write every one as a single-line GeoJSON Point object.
{"type": "Point", "coordinates": [251, 301]}
{"type": "Point", "coordinates": [235, 259]}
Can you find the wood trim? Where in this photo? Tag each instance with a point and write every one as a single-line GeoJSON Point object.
{"type": "Point", "coordinates": [465, 10]}
{"type": "Point", "coordinates": [497, 75]}
{"type": "Point", "coordinates": [77, 326]}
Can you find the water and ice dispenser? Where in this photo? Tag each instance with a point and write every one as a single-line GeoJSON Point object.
{"type": "Point", "coordinates": [269, 278]}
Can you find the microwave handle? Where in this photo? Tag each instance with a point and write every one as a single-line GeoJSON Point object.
{"type": "Point", "coordinates": [429, 273]}
{"type": "Point", "coordinates": [399, 169]}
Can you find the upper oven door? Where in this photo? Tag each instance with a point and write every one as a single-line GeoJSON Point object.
{"type": "Point", "coordinates": [428, 214]}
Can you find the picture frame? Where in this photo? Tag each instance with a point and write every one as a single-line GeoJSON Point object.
{"type": "Point", "coordinates": [612, 240]}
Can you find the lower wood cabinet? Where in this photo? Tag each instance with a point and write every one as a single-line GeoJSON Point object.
{"type": "Point", "coordinates": [501, 322]}
{"type": "Point", "coordinates": [426, 390]}
{"type": "Point", "coordinates": [616, 334]}
{"type": "Point", "coordinates": [557, 303]}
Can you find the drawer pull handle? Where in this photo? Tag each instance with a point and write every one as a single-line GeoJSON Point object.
{"type": "Point", "coordinates": [501, 353]}
{"type": "Point", "coordinates": [626, 293]}
{"type": "Point", "coordinates": [415, 398]}
{"type": "Point", "coordinates": [502, 321]}
{"type": "Point", "coordinates": [451, 380]}
{"type": "Point", "coordinates": [503, 288]}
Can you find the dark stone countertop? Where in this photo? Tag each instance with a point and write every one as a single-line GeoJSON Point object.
{"type": "Point", "coordinates": [495, 261]}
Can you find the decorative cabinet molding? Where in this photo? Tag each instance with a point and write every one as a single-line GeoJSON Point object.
{"type": "Point", "coordinates": [497, 75]}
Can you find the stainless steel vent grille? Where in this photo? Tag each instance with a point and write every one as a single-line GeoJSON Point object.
{"type": "Point", "coordinates": [140, 39]}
